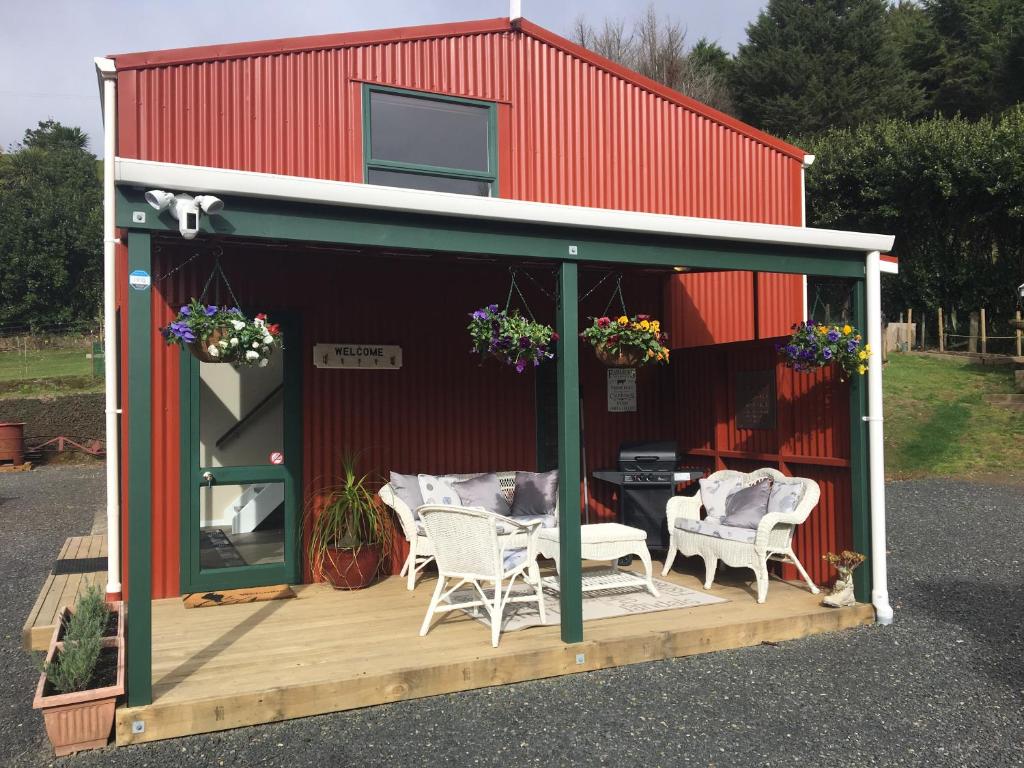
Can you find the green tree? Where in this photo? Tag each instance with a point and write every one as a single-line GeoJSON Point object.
{"type": "Point", "coordinates": [809, 65]}
{"type": "Point", "coordinates": [51, 239]}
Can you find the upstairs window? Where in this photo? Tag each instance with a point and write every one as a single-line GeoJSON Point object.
{"type": "Point", "coordinates": [423, 141]}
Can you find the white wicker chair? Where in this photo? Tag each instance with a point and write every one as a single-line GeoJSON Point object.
{"type": "Point", "coordinates": [469, 549]}
{"type": "Point", "coordinates": [421, 549]}
{"type": "Point", "coordinates": [773, 539]}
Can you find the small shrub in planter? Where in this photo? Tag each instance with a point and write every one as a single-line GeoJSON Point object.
{"type": "Point", "coordinates": [83, 674]}
{"type": "Point", "coordinates": [510, 337]}
{"type": "Point", "coordinates": [223, 334]}
{"type": "Point", "coordinates": [813, 346]}
{"type": "Point", "coordinates": [628, 342]}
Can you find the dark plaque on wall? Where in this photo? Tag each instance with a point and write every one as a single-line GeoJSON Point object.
{"type": "Point", "coordinates": [755, 400]}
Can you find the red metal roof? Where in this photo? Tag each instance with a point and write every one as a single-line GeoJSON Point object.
{"type": "Point", "coordinates": [207, 53]}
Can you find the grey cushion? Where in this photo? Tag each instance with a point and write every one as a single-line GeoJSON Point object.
{"type": "Point", "coordinates": [407, 488]}
{"type": "Point", "coordinates": [719, 531]}
{"type": "Point", "coordinates": [745, 507]}
{"type": "Point", "coordinates": [438, 489]}
{"type": "Point", "coordinates": [786, 496]}
{"type": "Point", "coordinates": [536, 493]}
{"type": "Point", "coordinates": [713, 493]}
{"type": "Point", "coordinates": [483, 491]}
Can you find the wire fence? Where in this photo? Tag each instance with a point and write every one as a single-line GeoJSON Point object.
{"type": "Point", "coordinates": [954, 331]}
{"type": "Point", "coordinates": [54, 352]}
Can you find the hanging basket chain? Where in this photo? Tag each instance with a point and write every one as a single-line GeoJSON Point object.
{"type": "Point", "coordinates": [540, 287]}
{"type": "Point", "coordinates": [218, 269]}
{"type": "Point", "coordinates": [515, 287]}
{"type": "Point", "coordinates": [596, 285]}
{"type": "Point", "coordinates": [216, 252]}
{"type": "Point", "coordinates": [617, 292]}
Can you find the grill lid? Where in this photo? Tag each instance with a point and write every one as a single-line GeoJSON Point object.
{"type": "Point", "coordinates": [656, 456]}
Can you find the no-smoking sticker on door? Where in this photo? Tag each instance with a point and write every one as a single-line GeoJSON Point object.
{"type": "Point", "coordinates": [277, 457]}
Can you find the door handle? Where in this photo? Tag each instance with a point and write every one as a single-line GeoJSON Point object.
{"type": "Point", "coordinates": [208, 478]}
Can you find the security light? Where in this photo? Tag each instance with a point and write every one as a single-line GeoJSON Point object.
{"type": "Point", "coordinates": [210, 204]}
{"type": "Point", "coordinates": [185, 208]}
{"type": "Point", "coordinates": [159, 199]}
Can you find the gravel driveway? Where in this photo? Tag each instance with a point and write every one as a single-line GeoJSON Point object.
{"type": "Point", "coordinates": [943, 686]}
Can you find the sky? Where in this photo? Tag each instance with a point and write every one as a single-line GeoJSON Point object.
{"type": "Point", "coordinates": [47, 46]}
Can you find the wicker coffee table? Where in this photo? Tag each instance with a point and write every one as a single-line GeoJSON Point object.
{"type": "Point", "coordinates": [605, 541]}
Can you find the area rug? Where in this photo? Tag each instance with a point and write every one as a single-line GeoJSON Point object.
{"type": "Point", "coordinates": [236, 596]}
{"type": "Point", "coordinates": [600, 604]}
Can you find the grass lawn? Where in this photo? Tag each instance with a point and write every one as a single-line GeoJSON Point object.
{"type": "Point", "coordinates": [937, 425]}
{"type": "Point", "coordinates": [47, 372]}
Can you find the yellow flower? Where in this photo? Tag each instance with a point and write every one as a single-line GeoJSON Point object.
{"type": "Point", "coordinates": [660, 357]}
{"type": "Point", "coordinates": [862, 355]}
{"type": "Point", "coordinates": [664, 351]}
{"type": "Point", "coordinates": [623, 321]}
{"type": "Point", "coordinates": [861, 369]}
{"type": "Point", "coordinates": [847, 330]}
{"type": "Point", "coordinates": [644, 325]}
{"type": "Point", "coordinates": [655, 326]}
{"type": "Point", "coordinates": [857, 337]}
{"type": "Point", "coordinates": [650, 353]}
{"type": "Point", "coordinates": [867, 348]}
{"type": "Point", "coordinates": [822, 330]}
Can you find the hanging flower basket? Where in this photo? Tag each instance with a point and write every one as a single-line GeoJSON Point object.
{"type": "Point", "coordinates": [223, 334]}
{"type": "Point", "coordinates": [814, 346]}
{"type": "Point", "coordinates": [628, 342]}
{"type": "Point", "coordinates": [511, 338]}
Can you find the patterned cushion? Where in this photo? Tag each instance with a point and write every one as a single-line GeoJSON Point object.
{"type": "Point", "coordinates": [438, 490]}
{"type": "Point", "coordinates": [786, 496]}
{"type": "Point", "coordinates": [719, 531]}
{"type": "Point", "coordinates": [745, 507]}
{"type": "Point", "coordinates": [713, 493]}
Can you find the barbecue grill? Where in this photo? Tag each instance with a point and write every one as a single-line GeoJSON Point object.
{"type": "Point", "coordinates": [647, 475]}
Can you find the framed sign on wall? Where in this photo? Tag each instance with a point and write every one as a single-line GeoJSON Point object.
{"type": "Point", "coordinates": [755, 399]}
{"type": "Point", "coordinates": [373, 357]}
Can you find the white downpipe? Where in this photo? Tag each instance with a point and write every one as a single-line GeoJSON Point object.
{"type": "Point", "coordinates": [808, 160]}
{"type": "Point", "coordinates": [876, 461]}
{"type": "Point", "coordinates": [108, 74]}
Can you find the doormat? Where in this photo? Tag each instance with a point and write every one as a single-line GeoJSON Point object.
{"type": "Point", "coordinates": [236, 596]}
{"type": "Point", "coordinates": [599, 604]}
{"type": "Point", "coordinates": [68, 565]}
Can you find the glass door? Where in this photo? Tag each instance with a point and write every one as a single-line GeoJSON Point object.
{"type": "Point", "coordinates": [244, 443]}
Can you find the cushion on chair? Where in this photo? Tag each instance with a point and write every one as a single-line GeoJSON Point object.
{"type": "Point", "coordinates": [407, 488]}
{"type": "Point", "coordinates": [713, 493]}
{"type": "Point", "coordinates": [536, 493]}
{"type": "Point", "coordinates": [745, 507]}
{"type": "Point", "coordinates": [483, 491]}
{"type": "Point", "coordinates": [439, 490]}
{"type": "Point", "coordinates": [786, 496]}
{"type": "Point", "coordinates": [719, 531]}
{"type": "Point", "coordinates": [514, 558]}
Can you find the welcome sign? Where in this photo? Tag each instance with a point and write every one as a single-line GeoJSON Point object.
{"type": "Point", "coordinates": [373, 357]}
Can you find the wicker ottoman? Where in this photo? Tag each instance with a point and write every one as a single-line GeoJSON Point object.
{"type": "Point", "coordinates": [605, 541]}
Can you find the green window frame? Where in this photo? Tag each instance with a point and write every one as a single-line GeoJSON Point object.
{"type": "Point", "coordinates": [490, 176]}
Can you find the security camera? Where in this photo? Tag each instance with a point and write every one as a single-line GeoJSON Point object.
{"type": "Point", "coordinates": [185, 208]}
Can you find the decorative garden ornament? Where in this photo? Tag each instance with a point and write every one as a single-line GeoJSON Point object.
{"type": "Point", "coordinates": [845, 563]}
{"type": "Point", "coordinates": [813, 346]}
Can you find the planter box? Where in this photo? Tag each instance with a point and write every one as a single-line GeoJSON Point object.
{"type": "Point", "coordinates": [82, 720]}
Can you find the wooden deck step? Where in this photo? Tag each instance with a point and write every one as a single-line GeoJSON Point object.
{"type": "Point", "coordinates": [80, 562]}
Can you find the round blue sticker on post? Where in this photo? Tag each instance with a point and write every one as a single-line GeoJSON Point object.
{"type": "Point", "coordinates": [139, 279]}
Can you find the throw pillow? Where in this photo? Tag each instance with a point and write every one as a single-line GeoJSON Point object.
{"type": "Point", "coordinates": [746, 506]}
{"type": "Point", "coordinates": [407, 488]}
{"type": "Point", "coordinates": [483, 491]}
{"type": "Point", "coordinates": [785, 496]}
{"type": "Point", "coordinates": [536, 493]}
{"type": "Point", "coordinates": [713, 493]}
{"type": "Point", "coordinates": [438, 490]}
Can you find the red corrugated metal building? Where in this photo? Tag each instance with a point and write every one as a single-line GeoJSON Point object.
{"type": "Point", "coordinates": [572, 129]}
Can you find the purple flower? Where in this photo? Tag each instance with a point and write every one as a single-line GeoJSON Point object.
{"type": "Point", "coordinates": [185, 311]}
{"type": "Point", "coordinates": [851, 345]}
{"type": "Point", "coordinates": [520, 366]}
{"type": "Point", "coordinates": [826, 353]}
{"type": "Point", "coordinates": [792, 350]}
{"type": "Point", "coordinates": [832, 335]}
{"type": "Point", "coordinates": [809, 325]}
{"type": "Point", "coordinates": [524, 342]}
{"type": "Point", "coordinates": [182, 331]}
{"type": "Point", "coordinates": [211, 311]}
{"type": "Point", "coordinates": [492, 307]}
{"type": "Point", "coordinates": [235, 311]}
{"type": "Point", "coordinates": [479, 315]}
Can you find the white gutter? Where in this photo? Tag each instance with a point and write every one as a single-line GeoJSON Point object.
{"type": "Point", "coordinates": [876, 463]}
{"type": "Point", "coordinates": [807, 163]}
{"type": "Point", "coordinates": [107, 72]}
{"type": "Point", "coordinates": [220, 181]}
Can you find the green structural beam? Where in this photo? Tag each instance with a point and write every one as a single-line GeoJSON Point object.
{"type": "Point", "coordinates": [570, 564]}
{"type": "Point", "coordinates": [860, 502]}
{"type": "Point", "coordinates": [139, 659]}
{"type": "Point", "coordinates": [303, 222]}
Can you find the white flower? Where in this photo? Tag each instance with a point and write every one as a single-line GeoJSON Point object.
{"type": "Point", "coordinates": [234, 341]}
{"type": "Point", "coordinates": [264, 363]}
{"type": "Point", "coordinates": [252, 355]}
{"type": "Point", "coordinates": [212, 349]}
{"type": "Point", "coordinates": [222, 344]}
{"type": "Point", "coordinates": [268, 339]}
{"type": "Point", "coordinates": [258, 322]}
{"type": "Point", "coordinates": [237, 325]}
{"type": "Point", "coordinates": [255, 345]}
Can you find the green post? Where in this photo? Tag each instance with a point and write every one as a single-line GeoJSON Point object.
{"type": "Point", "coordinates": [860, 502]}
{"type": "Point", "coordinates": [567, 325]}
{"type": "Point", "coordinates": [139, 652]}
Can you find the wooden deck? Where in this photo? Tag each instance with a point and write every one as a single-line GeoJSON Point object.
{"type": "Point", "coordinates": [237, 665]}
{"type": "Point", "coordinates": [62, 589]}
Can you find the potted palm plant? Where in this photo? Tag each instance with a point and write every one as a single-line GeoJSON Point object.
{"type": "Point", "coordinates": [83, 675]}
{"type": "Point", "coordinates": [350, 531]}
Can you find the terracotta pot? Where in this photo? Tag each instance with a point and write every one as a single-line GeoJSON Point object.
{"type": "Point", "coordinates": [12, 442]}
{"type": "Point", "coordinates": [350, 568]}
{"type": "Point", "coordinates": [81, 720]}
{"type": "Point", "coordinates": [630, 358]}
{"type": "Point", "coordinates": [199, 348]}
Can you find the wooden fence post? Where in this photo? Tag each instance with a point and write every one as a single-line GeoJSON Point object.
{"type": "Point", "coordinates": [942, 340]}
{"type": "Point", "coordinates": [984, 334]}
{"type": "Point", "coordinates": [972, 340]}
{"type": "Point", "coordinates": [924, 335]}
{"type": "Point", "coordinates": [1018, 334]}
{"type": "Point", "coordinates": [910, 329]}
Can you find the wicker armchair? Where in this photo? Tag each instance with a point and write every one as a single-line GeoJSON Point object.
{"type": "Point", "coordinates": [739, 547]}
{"type": "Point", "coordinates": [470, 549]}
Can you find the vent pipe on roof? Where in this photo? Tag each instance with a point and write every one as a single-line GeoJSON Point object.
{"type": "Point", "coordinates": [515, 10]}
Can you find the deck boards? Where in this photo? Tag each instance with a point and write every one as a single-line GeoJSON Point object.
{"type": "Point", "coordinates": [327, 651]}
{"type": "Point", "coordinates": [62, 590]}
